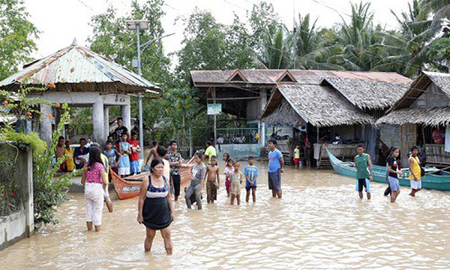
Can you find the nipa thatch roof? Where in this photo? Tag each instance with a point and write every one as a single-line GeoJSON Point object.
{"type": "Point", "coordinates": [78, 69]}
{"type": "Point", "coordinates": [420, 85]}
{"type": "Point", "coordinates": [369, 94]}
{"type": "Point", "coordinates": [429, 117]}
{"type": "Point", "coordinates": [318, 105]}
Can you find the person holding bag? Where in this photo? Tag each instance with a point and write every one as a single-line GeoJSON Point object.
{"type": "Point", "coordinates": [415, 171]}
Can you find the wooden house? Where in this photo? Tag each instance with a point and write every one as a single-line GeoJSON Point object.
{"type": "Point", "coordinates": [317, 101]}
{"type": "Point", "coordinates": [422, 110]}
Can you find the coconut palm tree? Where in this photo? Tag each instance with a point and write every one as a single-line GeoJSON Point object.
{"type": "Point", "coordinates": [439, 8]}
{"type": "Point", "coordinates": [356, 41]}
{"type": "Point", "coordinates": [275, 51]}
{"type": "Point", "coordinates": [406, 50]}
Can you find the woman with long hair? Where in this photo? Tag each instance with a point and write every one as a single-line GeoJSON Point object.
{"type": "Point", "coordinates": [155, 209]}
{"type": "Point", "coordinates": [393, 168]}
{"type": "Point", "coordinates": [94, 182]}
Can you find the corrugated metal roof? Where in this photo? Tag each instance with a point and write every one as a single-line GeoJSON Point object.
{"type": "Point", "coordinates": [270, 76]}
{"type": "Point", "coordinates": [78, 65]}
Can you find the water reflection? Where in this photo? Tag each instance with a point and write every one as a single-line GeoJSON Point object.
{"type": "Point", "coordinates": [319, 223]}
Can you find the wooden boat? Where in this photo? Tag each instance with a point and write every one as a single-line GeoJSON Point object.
{"type": "Point", "coordinates": [434, 178]}
{"type": "Point", "coordinates": [129, 187]}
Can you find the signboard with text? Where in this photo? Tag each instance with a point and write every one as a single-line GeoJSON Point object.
{"type": "Point", "coordinates": [214, 108]}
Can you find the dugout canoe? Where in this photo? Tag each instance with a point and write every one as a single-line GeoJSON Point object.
{"type": "Point", "coordinates": [129, 187]}
{"type": "Point", "coordinates": [434, 179]}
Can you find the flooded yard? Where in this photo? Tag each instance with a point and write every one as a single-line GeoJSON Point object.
{"type": "Point", "coordinates": [319, 223]}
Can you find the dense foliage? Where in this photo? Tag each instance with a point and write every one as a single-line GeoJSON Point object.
{"type": "Point", "coordinates": [259, 40]}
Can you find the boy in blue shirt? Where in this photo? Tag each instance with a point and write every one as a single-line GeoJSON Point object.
{"type": "Point", "coordinates": [251, 173]}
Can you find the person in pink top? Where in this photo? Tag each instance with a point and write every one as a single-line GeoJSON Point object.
{"type": "Point", "coordinates": [94, 182]}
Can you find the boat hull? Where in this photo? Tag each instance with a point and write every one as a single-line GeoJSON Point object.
{"type": "Point", "coordinates": [131, 186]}
{"type": "Point", "coordinates": [430, 181]}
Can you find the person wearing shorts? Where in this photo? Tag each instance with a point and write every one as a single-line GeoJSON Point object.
{"type": "Point", "coordinates": [297, 156]}
{"type": "Point", "coordinates": [364, 172]}
{"type": "Point", "coordinates": [415, 171]}
{"type": "Point", "coordinates": [393, 165]}
{"type": "Point", "coordinates": [251, 174]}
{"type": "Point", "coordinates": [276, 167]}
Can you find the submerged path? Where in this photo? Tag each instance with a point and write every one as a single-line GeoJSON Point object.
{"type": "Point", "coordinates": [319, 223]}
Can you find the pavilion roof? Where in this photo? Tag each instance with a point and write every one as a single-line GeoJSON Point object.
{"type": "Point", "coordinates": [78, 69]}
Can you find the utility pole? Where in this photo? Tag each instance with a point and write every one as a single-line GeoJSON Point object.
{"type": "Point", "coordinates": [139, 25]}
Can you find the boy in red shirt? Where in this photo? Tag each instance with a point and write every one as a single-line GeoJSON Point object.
{"type": "Point", "coordinates": [134, 158]}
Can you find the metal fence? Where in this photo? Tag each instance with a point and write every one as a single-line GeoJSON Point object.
{"type": "Point", "coordinates": [10, 201]}
{"type": "Point", "coordinates": [238, 135]}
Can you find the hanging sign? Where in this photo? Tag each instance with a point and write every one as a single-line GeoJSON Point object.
{"type": "Point", "coordinates": [214, 108]}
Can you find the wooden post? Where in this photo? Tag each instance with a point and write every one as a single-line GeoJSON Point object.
{"type": "Point", "coordinates": [215, 118]}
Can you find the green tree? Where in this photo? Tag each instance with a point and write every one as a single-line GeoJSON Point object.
{"type": "Point", "coordinates": [204, 45]}
{"type": "Point", "coordinates": [439, 8]}
{"type": "Point", "coordinates": [357, 41]}
{"type": "Point", "coordinates": [407, 49]}
{"type": "Point", "coordinates": [275, 54]}
{"type": "Point", "coordinates": [17, 35]}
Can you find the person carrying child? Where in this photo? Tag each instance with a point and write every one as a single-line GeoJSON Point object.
{"type": "Point", "coordinates": [212, 173]}
{"type": "Point", "coordinates": [251, 173]}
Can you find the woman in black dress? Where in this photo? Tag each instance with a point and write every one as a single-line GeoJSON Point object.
{"type": "Point", "coordinates": [155, 209]}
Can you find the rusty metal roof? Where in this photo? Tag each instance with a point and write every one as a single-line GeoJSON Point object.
{"type": "Point", "coordinates": [76, 68]}
{"type": "Point", "coordinates": [270, 76]}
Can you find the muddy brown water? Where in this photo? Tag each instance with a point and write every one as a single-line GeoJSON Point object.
{"type": "Point", "coordinates": [319, 223]}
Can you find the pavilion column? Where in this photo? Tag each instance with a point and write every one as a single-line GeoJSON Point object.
{"type": "Point", "coordinates": [106, 120]}
{"type": "Point", "coordinates": [126, 115]}
{"type": "Point", "coordinates": [46, 123]}
{"type": "Point", "coordinates": [98, 121]}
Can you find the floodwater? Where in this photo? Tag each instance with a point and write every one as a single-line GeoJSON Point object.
{"type": "Point", "coordinates": [319, 223]}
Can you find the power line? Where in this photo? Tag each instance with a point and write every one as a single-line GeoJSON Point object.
{"type": "Point", "coordinates": [84, 4]}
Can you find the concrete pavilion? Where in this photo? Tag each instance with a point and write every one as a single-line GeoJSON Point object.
{"type": "Point", "coordinates": [82, 78]}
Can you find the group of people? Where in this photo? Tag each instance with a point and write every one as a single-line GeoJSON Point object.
{"type": "Point", "coordinates": [122, 152]}
{"type": "Point", "coordinates": [364, 172]}
{"type": "Point", "coordinates": [155, 207]}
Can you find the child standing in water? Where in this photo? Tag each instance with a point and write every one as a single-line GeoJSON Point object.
{"type": "Point", "coordinates": [251, 173]}
{"type": "Point", "coordinates": [212, 173]}
{"type": "Point", "coordinates": [125, 151]}
{"type": "Point", "coordinates": [364, 172]}
{"type": "Point", "coordinates": [235, 184]}
{"type": "Point", "coordinates": [228, 170]}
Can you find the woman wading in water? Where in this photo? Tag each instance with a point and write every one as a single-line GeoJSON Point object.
{"type": "Point", "coordinates": [155, 206]}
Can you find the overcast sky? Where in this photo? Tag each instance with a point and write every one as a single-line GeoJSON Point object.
{"type": "Point", "coordinates": [63, 20]}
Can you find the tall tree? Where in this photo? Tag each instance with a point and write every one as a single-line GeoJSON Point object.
{"type": "Point", "coordinates": [439, 8]}
{"type": "Point", "coordinates": [357, 41]}
{"type": "Point", "coordinates": [407, 50]}
{"type": "Point", "coordinates": [17, 36]}
{"type": "Point", "coordinates": [112, 39]}
{"type": "Point", "coordinates": [204, 45]}
{"type": "Point", "coordinates": [275, 54]}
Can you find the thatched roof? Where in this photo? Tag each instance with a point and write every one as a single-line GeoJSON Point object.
{"type": "Point", "coordinates": [77, 69]}
{"type": "Point", "coordinates": [318, 105]}
{"type": "Point", "coordinates": [272, 77]}
{"type": "Point", "coordinates": [429, 117]}
{"type": "Point", "coordinates": [420, 85]}
{"type": "Point", "coordinates": [369, 94]}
